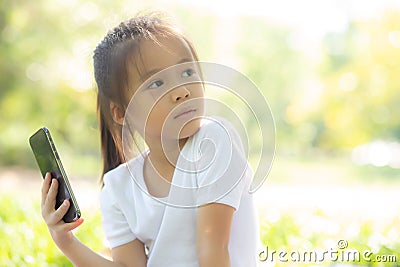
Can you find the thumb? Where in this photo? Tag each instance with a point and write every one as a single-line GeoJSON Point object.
{"type": "Point", "coordinates": [72, 225]}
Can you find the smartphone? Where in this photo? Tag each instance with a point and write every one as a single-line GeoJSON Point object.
{"type": "Point", "coordinates": [49, 161]}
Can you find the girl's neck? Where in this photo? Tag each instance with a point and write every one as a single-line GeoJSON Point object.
{"type": "Point", "coordinates": [165, 153]}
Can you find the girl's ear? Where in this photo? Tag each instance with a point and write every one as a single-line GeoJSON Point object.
{"type": "Point", "coordinates": [116, 113]}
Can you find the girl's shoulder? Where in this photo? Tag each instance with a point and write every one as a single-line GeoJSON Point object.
{"type": "Point", "coordinates": [121, 175]}
{"type": "Point", "coordinates": [219, 130]}
{"type": "Point", "coordinates": [215, 125]}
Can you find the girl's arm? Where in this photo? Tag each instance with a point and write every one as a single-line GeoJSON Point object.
{"type": "Point", "coordinates": [131, 254]}
{"type": "Point", "coordinates": [213, 232]}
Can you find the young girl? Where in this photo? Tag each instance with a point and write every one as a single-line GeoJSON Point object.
{"type": "Point", "coordinates": [184, 201]}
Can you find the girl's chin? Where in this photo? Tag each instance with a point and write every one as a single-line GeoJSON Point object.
{"type": "Point", "coordinates": [190, 129]}
{"type": "Point", "coordinates": [174, 133]}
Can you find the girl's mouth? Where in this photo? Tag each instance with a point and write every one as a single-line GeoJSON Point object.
{"type": "Point", "coordinates": [185, 113]}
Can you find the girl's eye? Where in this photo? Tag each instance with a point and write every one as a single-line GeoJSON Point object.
{"type": "Point", "coordinates": [187, 73]}
{"type": "Point", "coordinates": [155, 84]}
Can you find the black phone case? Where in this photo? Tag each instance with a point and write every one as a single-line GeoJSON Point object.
{"type": "Point", "coordinates": [48, 160]}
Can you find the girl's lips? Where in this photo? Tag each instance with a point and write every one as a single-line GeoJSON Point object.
{"type": "Point", "coordinates": [186, 112]}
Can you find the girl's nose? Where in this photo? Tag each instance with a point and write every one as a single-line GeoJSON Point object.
{"type": "Point", "coordinates": [180, 93]}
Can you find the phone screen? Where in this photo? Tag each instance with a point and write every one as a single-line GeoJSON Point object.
{"type": "Point", "coordinates": [45, 156]}
{"type": "Point", "coordinates": [48, 160]}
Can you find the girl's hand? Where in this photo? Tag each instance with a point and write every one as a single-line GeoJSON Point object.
{"type": "Point", "coordinates": [59, 230]}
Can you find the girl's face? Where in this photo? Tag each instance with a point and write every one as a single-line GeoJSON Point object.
{"type": "Point", "coordinates": [166, 95]}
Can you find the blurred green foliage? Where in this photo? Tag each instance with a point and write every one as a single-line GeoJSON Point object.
{"type": "Point", "coordinates": [360, 69]}
{"type": "Point", "coordinates": [346, 97]}
{"type": "Point", "coordinates": [37, 86]}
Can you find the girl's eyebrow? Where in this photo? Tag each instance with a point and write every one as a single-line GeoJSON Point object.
{"type": "Point", "coordinates": [184, 60]}
{"type": "Point", "coordinates": [150, 73]}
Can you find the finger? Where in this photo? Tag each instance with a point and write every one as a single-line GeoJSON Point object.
{"type": "Point", "coordinates": [72, 225]}
{"type": "Point", "coordinates": [62, 227]}
{"type": "Point", "coordinates": [45, 186]}
{"type": "Point", "coordinates": [50, 201]}
{"type": "Point", "coordinates": [66, 227]}
{"type": "Point", "coordinates": [60, 212]}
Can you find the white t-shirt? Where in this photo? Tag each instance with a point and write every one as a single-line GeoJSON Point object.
{"type": "Point", "coordinates": [212, 167]}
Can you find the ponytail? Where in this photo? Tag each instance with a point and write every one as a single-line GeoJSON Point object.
{"type": "Point", "coordinates": [110, 152]}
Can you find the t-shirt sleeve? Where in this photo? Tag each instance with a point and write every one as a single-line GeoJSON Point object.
{"type": "Point", "coordinates": [114, 222]}
{"type": "Point", "coordinates": [223, 171]}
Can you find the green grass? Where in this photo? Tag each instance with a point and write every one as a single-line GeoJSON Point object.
{"type": "Point", "coordinates": [291, 234]}
{"type": "Point", "coordinates": [315, 229]}
{"type": "Point", "coordinates": [26, 241]}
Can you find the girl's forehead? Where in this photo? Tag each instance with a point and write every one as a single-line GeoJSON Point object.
{"type": "Point", "coordinates": [153, 57]}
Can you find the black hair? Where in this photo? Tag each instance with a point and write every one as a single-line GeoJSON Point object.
{"type": "Point", "coordinates": [111, 75]}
